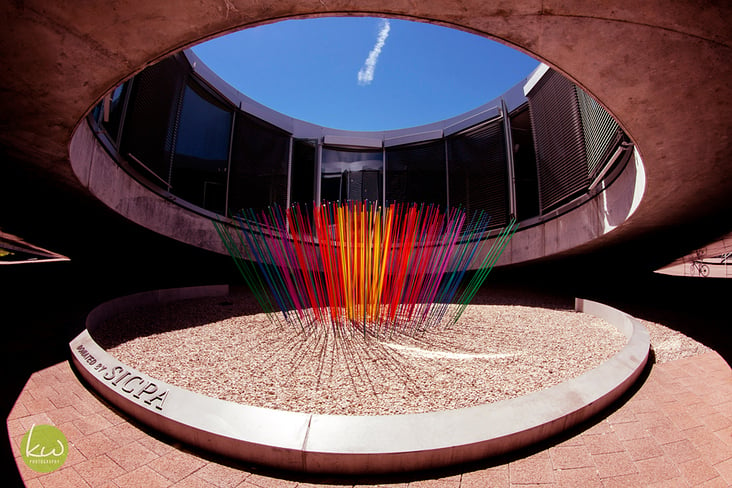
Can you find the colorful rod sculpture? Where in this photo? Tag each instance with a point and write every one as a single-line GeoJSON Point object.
{"type": "Point", "coordinates": [356, 266]}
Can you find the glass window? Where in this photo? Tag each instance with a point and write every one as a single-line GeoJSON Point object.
{"type": "Point", "coordinates": [302, 182]}
{"type": "Point", "coordinates": [417, 173]}
{"type": "Point", "coordinates": [111, 112]}
{"type": "Point", "coordinates": [259, 160]}
{"type": "Point", "coordinates": [351, 175]}
{"type": "Point", "coordinates": [147, 141]}
{"type": "Point", "coordinates": [201, 153]}
{"type": "Point", "coordinates": [524, 163]}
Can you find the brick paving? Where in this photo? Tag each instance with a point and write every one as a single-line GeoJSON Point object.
{"type": "Point", "coordinates": [674, 430]}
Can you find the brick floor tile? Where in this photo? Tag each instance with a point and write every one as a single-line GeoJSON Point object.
{"type": "Point", "coordinates": [36, 483]}
{"type": "Point", "coordinates": [700, 435]}
{"type": "Point", "coordinates": [92, 423]}
{"type": "Point", "coordinates": [654, 419]}
{"type": "Point", "coordinates": [132, 456]}
{"type": "Point", "coordinates": [666, 434]}
{"type": "Point", "coordinates": [630, 430]}
{"type": "Point", "coordinates": [599, 428]}
{"type": "Point", "coordinates": [25, 472]}
{"type": "Point", "coordinates": [434, 483]}
{"type": "Point", "coordinates": [193, 481]}
{"type": "Point", "coordinates": [74, 456]}
{"type": "Point", "coordinates": [124, 433]}
{"type": "Point", "coordinates": [96, 444]}
{"type": "Point", "coordinates": [72, 433]}
{"type": "Point", "coordinates": [614, 464]}
{"type": "Point", "coordinates": [716, 421]}
{"type": "Point", "coordinates": [697, 471]}
{"type": "Point", "coordinates": [36, 419]}
{"type": "Point", "coordinates": [575, 441]}
{"type": "Point", "coordinates": [18, 411]}
{"type": "Point", "coordinates": [657, 469]}
{"type": "Point", "coordinates": [222, 476]}
{"type": "Point", "coordinates": [42, 391]}
{"type": "Point", "coordinates": [725, 470]}
{"type": "Point", "coordinates": [113, 416]}
{"type": "Point", "coordinates": [570, 457]}
{"type": "Point", "coordinates": [532, 469]}
{"type": "Point", "coordinates": [725, 435]}
{"type": "Point", "coordinates": [99, 470]}
{"type": "Point", "coordinates": [715, 451]}
{"type": "Point", "coordinates": [576, 478]}
{"type": "Point", "coordinates": [681, 451]}
{"type": "Point", "coordinates": [644, 448]}
{"type": "Point", "coordinates": [61, 415]}
{"type": "Point", "coordinates": [725, 408]}
{"type": "Point", "coordinates": [62, 399]}
{"type": "Point", "coordinates": [621, 416]}
{"type": "Point", "coordinates": [633, 480]}
{"type": "Point", "coordinates": [704, 409]}
{"type": "Point", "coordinates": [266, 482]}
{"type": "Point", "coordinates": [143, 477]}
{"type": "Point", "coordinates": [672, 483]}
{"type": "Point", "coordinates": [642, 406]}
{"type": "Point", "coordinates": [686, 421]}
{"type": "Point", "coordinates": [717, 482]}
{"type": "Point", "coordinates": [176, 465]}
{"type": "Point", "coordinates": [84, 405]}
{"type": "Point", "coordinates": [671, 409]}
{"type": "Point", "coordinates": [496, 476]}
{"type": "Point", "coordinates": [155, 445]}
{"type": "Point", "coordinates": [66, 477]}
{"type": "Point", "coordinates": [16, 429]}
{"type": "Point", "coordinates": [603, 443]}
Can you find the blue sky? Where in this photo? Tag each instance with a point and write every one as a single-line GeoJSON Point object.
{"type": "Point", "coordinates": [360, 73]}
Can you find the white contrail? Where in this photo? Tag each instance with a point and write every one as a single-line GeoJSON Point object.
{"type": "Point", "coordinates": [366, 73]}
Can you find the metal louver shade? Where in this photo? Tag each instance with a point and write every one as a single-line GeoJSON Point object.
{"type": "Point", "coordinates": [602, 133]}
{"type": "Point", "coordinates": [560, 147]}
{"type": "Point", "coordinates": [478, 175]}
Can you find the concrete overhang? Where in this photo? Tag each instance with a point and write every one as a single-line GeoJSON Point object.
{"type": "Point", "coordinates": [662, 69]}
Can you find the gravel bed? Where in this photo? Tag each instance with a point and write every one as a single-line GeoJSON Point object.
{"type": "Point", "coordinates": [225, 348]}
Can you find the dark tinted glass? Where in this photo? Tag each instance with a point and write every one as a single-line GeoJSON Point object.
{"type": "Point", "coordinates": [260, 154]}
{"type": "Point", "coordinates": [150, 120]}
{"type": "Point", "coordinates": [417, 173]}
{"type": "Point", "coordinates": [201, 150]}
{"type": "Point", "coordinates": [302, 182]}
{"type": "Point", "coordinates": [524, 163]}
{"type": "Point", "coordinates": [351, 175]}
{"type": "Point", "coordinates": [109, 112]}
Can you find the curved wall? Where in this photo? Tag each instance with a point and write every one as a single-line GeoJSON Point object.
{"type": "Point", "coordinates": [663, 73]}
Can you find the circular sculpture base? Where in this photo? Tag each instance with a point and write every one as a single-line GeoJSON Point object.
{"type": "Point", "coordinates": [340, 444]}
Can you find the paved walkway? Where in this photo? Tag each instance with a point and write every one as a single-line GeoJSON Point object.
{"type": "Point", "coordinates": [675, 430]}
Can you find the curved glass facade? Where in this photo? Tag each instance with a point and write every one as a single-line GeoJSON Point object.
{"type": "Point", "coordinates": [538, 149]}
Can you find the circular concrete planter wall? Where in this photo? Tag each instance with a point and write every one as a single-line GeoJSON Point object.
{"type": "Point", "coordinates": [354, 444]}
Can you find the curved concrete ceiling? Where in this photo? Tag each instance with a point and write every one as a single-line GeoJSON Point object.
{"type": "Point", "coordinates": [662, 68]}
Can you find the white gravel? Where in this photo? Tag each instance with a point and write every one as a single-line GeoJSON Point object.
{"type": "Point", "coordinates": [225, 348]}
